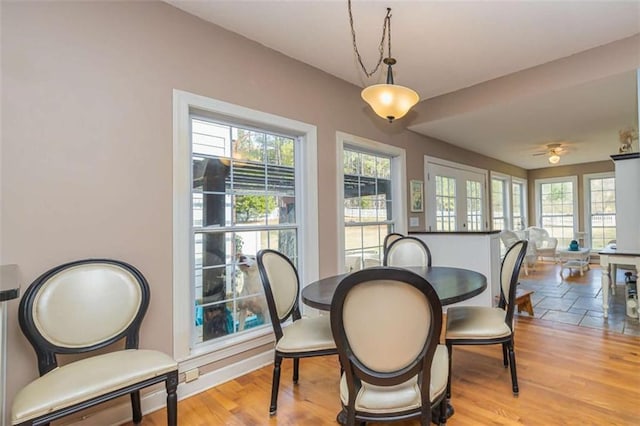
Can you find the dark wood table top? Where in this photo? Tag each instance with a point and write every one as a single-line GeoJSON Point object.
{"type": "Point", "coordinates": [452, 285]}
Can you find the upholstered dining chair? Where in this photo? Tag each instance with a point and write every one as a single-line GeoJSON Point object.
{"type": "Point", "coordinates": [386, 323]}
{"type": "Point", "coordinates": [80, 308]}
{"type": "Point", "coordinates": [480, 325]}
{"type": "Point", "coordinates": [304, 337]}
{"type": "Point", "coordinates": [407, 251]}
{"type": "Point", "coordinates": [393, 236]}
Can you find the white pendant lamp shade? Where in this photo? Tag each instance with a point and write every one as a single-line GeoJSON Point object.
{"type": "Point", "coordinates": [554, 158]}
{"type": "Point", "coordinates": [390, 101]}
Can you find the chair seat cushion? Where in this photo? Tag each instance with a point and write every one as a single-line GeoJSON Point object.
{"type": "Point", "coordinates": [307, 335]}
{"type": "Point", "coordinates": [476, 322]}
{"type": "Point", "coordinates": [403, 397]}
{"type": "Point", "coordinates": [88, 378]}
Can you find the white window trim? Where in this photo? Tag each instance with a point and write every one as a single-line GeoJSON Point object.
{"type": "Point", "coordinates": [507, 198]}
{"type": "Point", "coordinates": [525, 198]}
{"type": "Point", "coordinates": [306, 160]}
{"type": "Point", "coordinates": [429, 195]}
{"type": "Point", "coordinates": [576, 212]}
{"type": "Point", "coordinates": [398, 182]}
{"type": "Point", "coordinates": [586, 190]}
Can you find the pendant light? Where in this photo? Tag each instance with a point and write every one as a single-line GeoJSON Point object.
{"type": "Point", "coordinates": [389, 100]}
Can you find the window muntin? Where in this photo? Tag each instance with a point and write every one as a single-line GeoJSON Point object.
{"type": "Point", "coordinates": [474, 205]}
{"type": "Point", "coordinates": [498, 205]}
{"type": "Point", "coordinates": [557, 209]}
{"type": "Point", "coordinates": [446, 215]}
{"type": "Point", "coordinates": [368, 206]}
{"type": "Point", "coordinates": [518, 206]}
{"type": "Point", "coordinates": [602, 210]}
{"type": "Point", "coordinates": [243, 200]}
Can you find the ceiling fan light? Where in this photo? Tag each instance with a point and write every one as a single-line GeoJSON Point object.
{"type": "Point", "coordinates": [554, 158]}
{"type": "Point", "coordinates": [390, 101]}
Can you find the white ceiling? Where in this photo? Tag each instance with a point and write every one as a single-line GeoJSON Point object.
{"type": "Point", "coordinates": [442, 47]}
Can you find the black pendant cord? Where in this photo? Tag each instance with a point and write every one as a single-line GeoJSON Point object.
{"type": "Point", "coordinates": [386, 33]}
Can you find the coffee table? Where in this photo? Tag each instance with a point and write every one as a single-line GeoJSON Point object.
{"type": "Point", "coordinates": [574, 259]}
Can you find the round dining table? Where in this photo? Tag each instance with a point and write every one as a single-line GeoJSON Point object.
{"type": "Point", "coordinates": [451, 284]}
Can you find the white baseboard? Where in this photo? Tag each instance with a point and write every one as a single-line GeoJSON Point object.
{"type": "Point", "coordinates": [157, 400]}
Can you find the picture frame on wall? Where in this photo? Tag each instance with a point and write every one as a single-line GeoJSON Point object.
{"type": "Point", "coordinates": [416, 191]}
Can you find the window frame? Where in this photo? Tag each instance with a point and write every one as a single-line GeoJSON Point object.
{"type": "Point", "coordinates": [524, 195]}
{"type": "Point", "coordinates": [398, 183]}
{"type": "Point", "coordinates": [538, 197]}
{"type": "Point", "coordinates": [307, 203]}
{"type": "Point", "coordinates": [587, 200]}
{"type": "Point", "coordinates": [506, 198]}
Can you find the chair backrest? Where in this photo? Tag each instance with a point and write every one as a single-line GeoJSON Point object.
{"type": "Point", "coordinates": [408, 251]}
{"type": "Point", "coordinates": [83, 306]}
{"type": "Point", "coordinates": [281, 287]}
{"type": "Point", "coordinates": [389, 308]}
{"type": "Point", "coordinates": [541, 238]}
{"type": "Point", "coordinates": [390, 238]}
{"type": "Point", "coordinates": [508, 238]}
{"type": "Point", "coordinates": [509, 272]}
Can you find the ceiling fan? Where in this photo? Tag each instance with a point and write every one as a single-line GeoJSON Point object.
{"type": "Point", "coordinates": [553, 151]}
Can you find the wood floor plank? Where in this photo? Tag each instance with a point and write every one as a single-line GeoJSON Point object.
{"type": "Point", "coordinates": [568, 375]}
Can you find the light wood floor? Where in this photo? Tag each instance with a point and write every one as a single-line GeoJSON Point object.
{"type": "Point", "coordinates": [568, 375]}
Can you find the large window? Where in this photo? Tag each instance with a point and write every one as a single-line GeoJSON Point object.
{"type": "Point", "coordinates": [244, 200]}
{"type": "Point", "coordinates": [499, 202]}
{"type": "Point", "coordinates": [518, 204]}
{"type": "Point", "coordinates": [238, 188]}
{"type": "Point", "coordinates": [600, 209]}
{"type": "Point", "coordinates": [372, 199]}
{"type": "Point", "coordinates": [508, 202]}
{"type": "Point", "coordinates": [557, 207]}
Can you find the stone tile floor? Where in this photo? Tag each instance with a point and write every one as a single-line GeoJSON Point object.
{"type": "Point", "coordinates": [572, 299]}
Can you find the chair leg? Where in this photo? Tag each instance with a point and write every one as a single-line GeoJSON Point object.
{"type": "Point", "coordinates": [172, 399]}
{"type": "Point", "coordinates": [444, 407]}
{"type": "Point", "coordinates": [512, 363]}
{"type": "Point", "coordinates": [450, 352]}
{"type": "Point", "coordinates": [296, 369]}
{"type": "Point", "coordinates": [505, 355]}
{"type": "Point", "coordinates": [135, 406]}
{"type": "Point", "coordinates": [275, 384]}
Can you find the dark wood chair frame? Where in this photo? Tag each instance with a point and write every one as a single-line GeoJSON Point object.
{"type": "Point", "coordinates": [508, 301]}
{"type": "Point", "coordinates": [356, 371]}
{"type": "Point", "coordinates": [386, 243]}
{"type": "Point", "coordinates": [46, 352]}
{"type": "Point", "coordinates": [418, 240]}
{"type": "Point", "coordinates": [293, 314]}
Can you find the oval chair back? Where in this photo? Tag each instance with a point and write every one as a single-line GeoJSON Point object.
{"type": "Point", "coordinates": [397, 310]}
{"type": "Point", "coordinates": [408, 251]}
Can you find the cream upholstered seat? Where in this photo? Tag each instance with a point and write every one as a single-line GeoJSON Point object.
{"type": "Point", "coordinates": [479, 325]}
{"type": "Point", "coordinates": [304, 337]}
{"type": "Point", "coordinates": [407, 251]}
{"type": "Point", "coordinates": [545, 245]}
{"type": "Point", "coordinates": [386, 323]}
{"type": "Point", "coordinates": [80, 307]}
